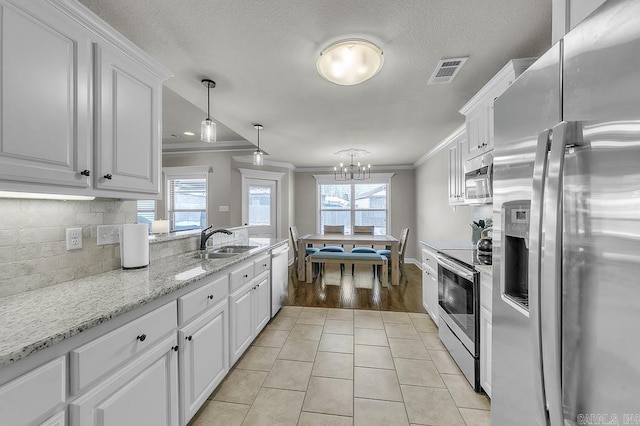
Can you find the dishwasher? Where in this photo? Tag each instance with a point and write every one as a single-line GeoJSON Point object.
{"type": "Point", "coordinates": [279, 277]}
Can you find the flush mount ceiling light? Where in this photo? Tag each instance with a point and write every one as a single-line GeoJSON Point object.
{"type": "Point", "coordinates": [208, 127]}
{"type": "Point", "coordinates": [350, 62]}
{"type": "Point", "coordinates": [352, 171]}
{"type": "Point", "coordinates": [258, 155]}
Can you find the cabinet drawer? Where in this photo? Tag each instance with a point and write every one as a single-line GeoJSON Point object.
{"type": "Point", "coordinates": [91, 361]}
{"type": "Point", "coordinates": [261, 264]}
{"type": "Point", "coordinates": [199, 300]}
{"type": "Point", "coordinates": [429, 257]}
{"type": "Point", "coordinates": [240, 276]}
{"type": "Point", "coordinates": [30, 396]}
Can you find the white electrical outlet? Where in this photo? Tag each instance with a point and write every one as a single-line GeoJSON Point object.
{"type": "Point", "coordinates": [74, 238]}
{"type": "Point", "coordinates": [108, 234]}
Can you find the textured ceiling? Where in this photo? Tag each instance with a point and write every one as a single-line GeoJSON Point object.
{"type": "Point", "coordinates": [262, 55]}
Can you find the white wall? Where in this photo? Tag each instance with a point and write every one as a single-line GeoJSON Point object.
{"type": "Point", "coordinates": [435, 219]}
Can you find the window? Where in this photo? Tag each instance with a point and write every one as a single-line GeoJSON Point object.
{"type": "Point", "coordinates": [146, 211]}
{"type": "Point", "coordinates": [354, 203]}
{"type": "Point", "coordinates": [186, 197]}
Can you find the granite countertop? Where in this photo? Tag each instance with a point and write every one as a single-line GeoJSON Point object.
{"type": "Point", "coordinates": [449, 245]}
{"type": "Point", "coordinates": [37, 319]}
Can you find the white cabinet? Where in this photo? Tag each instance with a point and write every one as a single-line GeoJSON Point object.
{"type": "Point", "coordinates": [128, 105]}
{"type": "Point", "coordinates": [430, 284]}
{"type": "Point", "coordinates": [262, 303]}
{"type": "Point", "coordinates": [457, 147]}
{"type": "Point", "coordinates": [143, 392]}
{"type": "Point", "coordinates": [249, 305]}
{"type": "Point", "coordinates": [33, 395]}
{"type": "Point", "coordinates": [46, 112]}
{"type": "Point", "coordinates": [204, 358]}
{"type": "Point", "coordinates": [485, 332]}
{"type": "Point", "coordinates": [241, 330]}
{"type": "Point", "coordinates": [80, 102]}
{"type": "Point", "coordinates": [478, 111]}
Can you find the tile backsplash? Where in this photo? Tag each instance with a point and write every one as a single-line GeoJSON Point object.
{"type": "Point", "coordinates": [33, 250]}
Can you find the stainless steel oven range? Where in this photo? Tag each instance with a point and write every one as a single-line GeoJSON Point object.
{"type": "Point", "coordinates": [459, 301]}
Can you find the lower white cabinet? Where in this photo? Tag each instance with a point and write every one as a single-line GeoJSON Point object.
{"type": "Point", "coordinates": [262, 300]}
{"type": "Point", "coordinates": [485, 332]}
{"type": "Point", "coordinates": [143, 392]}
{"type": "Point", "coordinates": [430, 284]}
{"type": "Point", "coordinates": [204, 358]}
{"type": "Point", "coordinates": [250, 308]}
{"type": "Point", "coordinates": [34, 395]}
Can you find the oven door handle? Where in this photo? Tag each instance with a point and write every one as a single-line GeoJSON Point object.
{"type": "Point", "coordinates": [459, 270]}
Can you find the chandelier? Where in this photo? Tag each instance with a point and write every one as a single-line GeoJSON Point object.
{"type": "Point", "coordinates": [352, 171]}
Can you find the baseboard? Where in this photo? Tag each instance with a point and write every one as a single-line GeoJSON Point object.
{"type": "Point", "coordinates": [413, 262]}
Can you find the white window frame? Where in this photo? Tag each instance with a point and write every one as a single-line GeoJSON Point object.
{"type": "Point", "coordinates": [155, 209]}
{"type": "Point", "coordinates": [376, 178]}
{"type": "Point", "coordinates": [189, 172]}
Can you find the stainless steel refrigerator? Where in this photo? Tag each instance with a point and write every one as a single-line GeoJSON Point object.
{"type": "Point", "coordinates": [566, 298]}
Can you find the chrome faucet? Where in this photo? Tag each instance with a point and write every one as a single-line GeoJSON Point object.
{"type": "Point", "coordinates": [204, 235]}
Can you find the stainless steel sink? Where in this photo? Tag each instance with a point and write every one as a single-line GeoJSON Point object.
{"type": "Point", "coordinates": [213, 255]}
{"type": "Point", "coordinates": [233, 249]}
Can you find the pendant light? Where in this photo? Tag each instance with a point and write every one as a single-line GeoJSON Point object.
{"type": "Point", "coordinates": [258, 155]}
{"type": "Point", "coordinates": [208, 127]}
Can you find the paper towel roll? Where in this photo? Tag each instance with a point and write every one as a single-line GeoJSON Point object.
{"type": "Point", "coordinates": [134, 245]}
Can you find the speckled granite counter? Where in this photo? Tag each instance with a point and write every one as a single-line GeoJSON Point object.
{"type": "Point", "coordinates": [35, 320]}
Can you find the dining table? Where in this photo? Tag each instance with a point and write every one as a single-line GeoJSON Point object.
{"type": "Point", "coordinates": [350, 240]}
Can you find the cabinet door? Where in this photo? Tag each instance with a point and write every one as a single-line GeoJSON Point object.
{"type": "Point", "coordinates": [262, 296]}
{"type": "Point", "coordinates": [45, 131]}
{"type": "Point", "coordinates": [485, 350]}
{"type": "Point", "coordinates": [475, 132]}
{"type": "Point", "coordinates": [241, 330]}
{"type": "Point", "coordinates": [128, 114]}
{"type": "Point", "coordinates": [432, 289]}
{"type": "Point", "coordinates": [204, 358]}
{"type": "Point", "coordinates": [454, 161]}
{"type": "Point", "coordinates": [144, 392]}
{"type": "Point", "coordinates": [425, 283]}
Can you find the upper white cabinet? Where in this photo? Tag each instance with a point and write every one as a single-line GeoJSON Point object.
{"type": "Point", "coordinates": [457, 145]}
{"type": "Point", "coordinates": [81, 105]}
{"type": "Point", "coordinates": [128, 104]}
{"type": "Point", "coordinates": [45, 87]}
{"type": "Point", "coordinates": [478, 111]}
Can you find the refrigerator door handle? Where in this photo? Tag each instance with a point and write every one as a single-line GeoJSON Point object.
{"type": "Point", "coordinates": [563, 135]}
{"type": "Point", "coordinates": [535, 260]}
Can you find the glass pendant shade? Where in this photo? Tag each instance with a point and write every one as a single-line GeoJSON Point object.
{"type": "Point", "coordinates": [258, 158]}
{"type": "Point", "coordinates": [208, 130]}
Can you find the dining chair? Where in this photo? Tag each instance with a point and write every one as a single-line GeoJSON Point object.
{"type": "Point", "coordinates": [333, 229]}
{"type": "Point", "coordinates": [402, 248]}
{"type": "Point", "coordinates": [363, 230]}
{"type": "Point", "coordinates": [293, 231]}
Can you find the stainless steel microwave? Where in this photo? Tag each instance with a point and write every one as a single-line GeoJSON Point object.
{"type": "Point", "coordinates": [478, 180]}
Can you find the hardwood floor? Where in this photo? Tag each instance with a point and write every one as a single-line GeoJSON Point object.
{"type": "Point", "coordinates": [358, 291]}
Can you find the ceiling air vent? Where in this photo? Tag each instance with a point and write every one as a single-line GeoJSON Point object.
{"type": "Point", "coordinates": [446, 70]}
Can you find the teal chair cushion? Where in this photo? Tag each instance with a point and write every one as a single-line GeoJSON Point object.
{"type": "Point", "coordinates": [332, 249]}
{"type": "Point", "coordinates": [362, 250]}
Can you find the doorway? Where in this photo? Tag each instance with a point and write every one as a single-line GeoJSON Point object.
{"type": "Point", "coordinates": [261, 202]}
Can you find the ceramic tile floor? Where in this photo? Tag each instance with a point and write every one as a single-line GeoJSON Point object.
{"type": "Point", "coordinates": [317, 366]}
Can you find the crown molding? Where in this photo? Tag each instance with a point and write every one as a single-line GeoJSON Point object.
{"type": "Point", "coordinates": [446, 141]}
